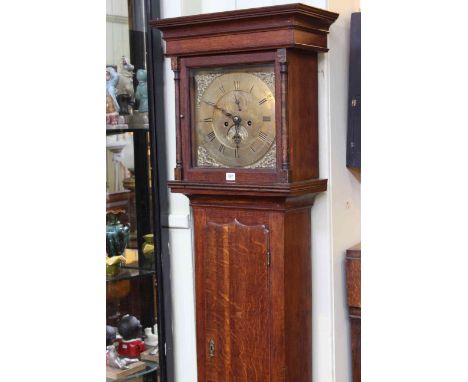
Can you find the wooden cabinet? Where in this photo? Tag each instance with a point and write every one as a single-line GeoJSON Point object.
{"type": "Point", "coordinates": [253, 288]}
{"type": "Point", "coordinates": [353, 146]}
{"type": "Point", "coordinates": [234, 294]}
{"type": "Point", "coordinates": [353, 281]}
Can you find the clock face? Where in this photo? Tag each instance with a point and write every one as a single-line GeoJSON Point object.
{"type": "Point", "coordinates": [234, 117]}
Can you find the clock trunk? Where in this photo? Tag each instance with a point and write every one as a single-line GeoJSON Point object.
{"type": "Point", "coordinates": [253, 289]}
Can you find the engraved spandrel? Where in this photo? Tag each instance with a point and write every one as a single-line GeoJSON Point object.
{"type": "Point", "coordinates": [268, 78]}
{"type": "Point", "coordinates": [205, 160]}
{"type": "Point", "coordinates": [268, 161]}
{"type": "Point", "coordinates": [202, 81]}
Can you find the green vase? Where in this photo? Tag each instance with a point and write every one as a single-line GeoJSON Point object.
{"type": "Point", "coordinates": [117, 236]}
{"type": "Point", "coordinates": [148, 249]}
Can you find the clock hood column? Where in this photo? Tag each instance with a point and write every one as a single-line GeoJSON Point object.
{"type": "Point", "coordinates": [178, 116]}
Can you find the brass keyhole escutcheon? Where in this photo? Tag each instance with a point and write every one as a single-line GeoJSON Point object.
{"type": "Point", "coordinates": [211, 348]}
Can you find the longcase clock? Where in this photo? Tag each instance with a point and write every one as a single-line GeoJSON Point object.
{"type": "Point", "coordinates": [247, 157]}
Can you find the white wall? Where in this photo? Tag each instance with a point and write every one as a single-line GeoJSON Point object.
{"type": "Point", "coordinates": [117, 35]}
{"type": "Point", "coordinates": [179, 234]}
{"type": "Point", "coordinates": [345, 189]}
{"type": "Point", "coordinates": [335, 215]}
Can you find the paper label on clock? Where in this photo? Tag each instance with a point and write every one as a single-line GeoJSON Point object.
{"type": "Point", "coordinates": [231, 176]}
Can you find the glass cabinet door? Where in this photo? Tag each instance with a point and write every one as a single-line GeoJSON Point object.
{"type": "Point", "coordinates": [131, 282]}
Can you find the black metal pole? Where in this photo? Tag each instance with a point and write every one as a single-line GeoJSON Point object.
{"type": "Point", "coordinates": [155, 70]}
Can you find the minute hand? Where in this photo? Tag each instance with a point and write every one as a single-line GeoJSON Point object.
{"type": "Point", "coordinates": [224, 111]}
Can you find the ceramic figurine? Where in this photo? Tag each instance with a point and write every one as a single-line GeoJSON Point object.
{"type": "Point", "coordinates": [117, 235]}
{"type": "Point", "coordinates": [112, 117]}
{"type": "Point", "coordinates": [110, 108]}
{"type": "Point", "coordinates": [125, 90]}
{"type": "Point", "coordinates": [151, 343]}
{"type": "Point", "coordinates": [112, 79]}
{"type": "Point", "coordinates": [151, 340]}
{"type": "Point", "coordinates": [113, 359]}
{"type": "Point", "coordinates": [125, 102]}
{"type": "Point", "coordinates": [111, 335]}
{"type": "Point", "coordinates": [125, 85]}
{"type": "Point", "coordinates": [141, 94]}
{"type": "Point", "coordinates": [131, 344]}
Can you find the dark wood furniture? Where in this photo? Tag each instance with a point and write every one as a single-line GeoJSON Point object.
{"type": "Point", "coordinates": [353, 147]}
{"type": "Point", "coordinates": [353, 282]}
{"type": "Point", "coordinates": [253, 231]}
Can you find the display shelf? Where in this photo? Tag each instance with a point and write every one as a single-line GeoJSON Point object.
{"type": "Point", "coordinates": [133, 229]}
{"type": "Point", "coordinates": [129, 273]}
{"type": "Point", "coordinates": [151, 367]}
{"type": "Point", "coordinates": [129, 130]}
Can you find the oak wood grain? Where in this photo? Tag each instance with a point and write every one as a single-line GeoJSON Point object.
{"type": "Point", "coordinates": [236, 293]}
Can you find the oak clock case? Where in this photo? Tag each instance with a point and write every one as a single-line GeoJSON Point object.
{"type": "Point", "coordinates": [246, 96]}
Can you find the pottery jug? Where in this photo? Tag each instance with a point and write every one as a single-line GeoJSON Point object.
{"type": "Point", "coordinates": [117, 235]}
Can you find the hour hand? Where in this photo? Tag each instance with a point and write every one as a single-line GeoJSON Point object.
{"type": "Point", "coordinates": [237, 102]}
{"type": "Point", "coordinates": [224, 111]}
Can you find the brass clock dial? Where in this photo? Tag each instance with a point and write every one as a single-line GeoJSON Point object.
{"type": "Point", "coordinates": [235, 119]}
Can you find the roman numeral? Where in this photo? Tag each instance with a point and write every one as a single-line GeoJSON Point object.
{"type": "Point", "coordinates": [266, 118]}
{"type": "Point", "coordinates": [264, 137]}
{"type": "Point", "coordinates": [251, 147]}
{"type": "Point", "coordinates": [252, 88]}
{"type": "Point", "coordinates": [236, 153]}
{"type": "Point", "coordinates": [221, 148]}
{"type": "Point", "coordinates": [263, 100]}
{"type": "Point", "coordinates": [236, 85]}
{"type": "Point", "coordinates": [221, 89]}
{"type": "Point", "coordinates": [211, 136]}
{"type": "Point", "coordinates": [209, 119]}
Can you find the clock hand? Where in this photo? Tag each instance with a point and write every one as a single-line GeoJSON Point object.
{"type": "Point", "coordinates": [237, 137]}
{"type": "Point", "coordinates": [237, 102]}
{"type": "Point", "coordinates": [224, 111]}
